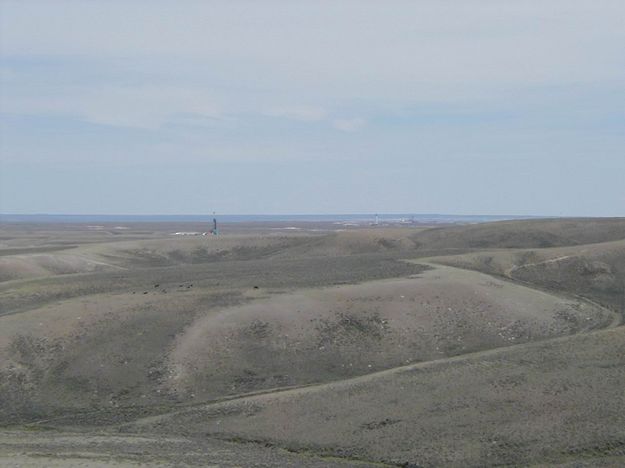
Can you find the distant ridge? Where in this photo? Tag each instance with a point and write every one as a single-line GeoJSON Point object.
{"type": "Point", "coordinates": [236, 218]}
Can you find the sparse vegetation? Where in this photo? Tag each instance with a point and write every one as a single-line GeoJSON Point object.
{"type": "Point", "coordinates": [459, 346]}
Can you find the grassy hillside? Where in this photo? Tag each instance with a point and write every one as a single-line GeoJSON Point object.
{"type": "Point", "coordinates": [465, 345]}
{"type": "Point", "coordinates": [333, 333]}
{"type": "Point", "coordinates": [523, 234]}
{"type": "Point", "coordinates": [596, 271]}
{"type": "Point", "coordinates": [545, 403]}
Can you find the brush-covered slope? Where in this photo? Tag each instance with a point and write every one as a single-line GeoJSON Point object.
{"type": "Point", "coordinates": [596, 270]}
{"type": "Point", "coordinates": [333, 333]}
{"type": "Point", "coordinates": [179, 344]}
{"type": "Point", "coordinates": [537, 404]}
{"type": "Point", "coordinates": [522, 234]}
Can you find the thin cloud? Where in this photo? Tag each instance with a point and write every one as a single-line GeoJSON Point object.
{"type": "Point", "coordinates": [147, 107]}
{"type": "Point", "coordinates": [348, 125]}
{"type": "Point", "coordinates": [305, 114]}
{"type": "Point", "coordinates": [281, 90]}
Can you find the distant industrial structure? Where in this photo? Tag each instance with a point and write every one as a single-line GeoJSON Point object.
{"type": "Point", "coordinates": [213, 231]}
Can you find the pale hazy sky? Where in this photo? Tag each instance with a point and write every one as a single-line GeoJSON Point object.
{"type": "Point", "coordinates": [423, 106]}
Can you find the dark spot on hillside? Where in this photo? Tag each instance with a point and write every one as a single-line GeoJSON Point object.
{"type": "Point", "coordinates": [258, 329]}
{"type": "Point", "coordinates": [379, 424]}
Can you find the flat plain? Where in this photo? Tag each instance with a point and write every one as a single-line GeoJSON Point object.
{"type": "Point", "coordinates": [313, 344]}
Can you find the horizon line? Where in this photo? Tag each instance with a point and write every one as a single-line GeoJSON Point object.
{"type": "Point", "coordinates": [368, 213]}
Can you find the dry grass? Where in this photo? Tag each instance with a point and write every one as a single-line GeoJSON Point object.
{"type": "Point", "coordinates": [487, 355]}
{"type": "Point", "coordinates": [550, 402]}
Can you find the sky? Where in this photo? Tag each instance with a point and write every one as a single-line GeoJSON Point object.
{"type": "Point", "coordinates": [249, 107]}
